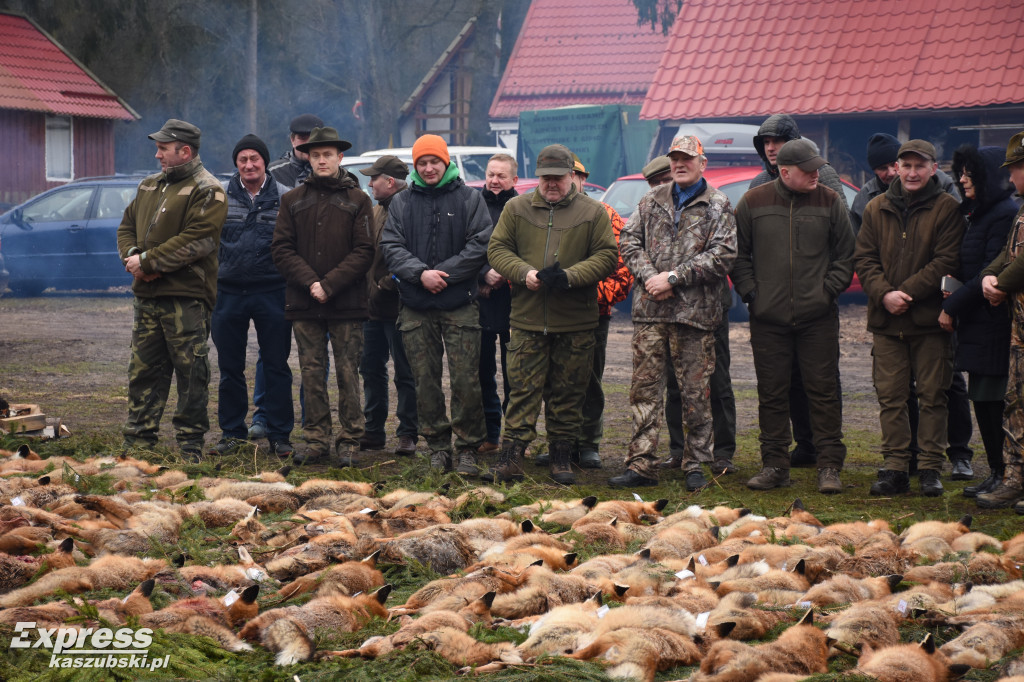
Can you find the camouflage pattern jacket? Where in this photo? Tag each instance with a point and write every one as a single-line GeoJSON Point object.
{"type": "Point", "coordinates": [174, 223]}
{"type": "Point", "coordinates": [701, 249]}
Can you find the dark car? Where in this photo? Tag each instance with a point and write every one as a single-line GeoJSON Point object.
{"type": "Point", "coordinates": [65, 238]}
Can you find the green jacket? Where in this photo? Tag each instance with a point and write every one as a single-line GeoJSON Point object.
{"type": "Point", "coordinates": [532, 234]}
{"type": "Point", "coordinates": [1007, 267]}
{"type": "Point", "coordinates": [908, 243]}
{"type": "Point", "coordinates": [174, 222]}
{"type": "Point", "coordinates": [794, 252]}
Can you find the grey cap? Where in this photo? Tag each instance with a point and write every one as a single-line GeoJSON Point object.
{"type": "Point", "coordinates": [555, 159]}
{"type": "Point", "coordinates": [387, 165]}
{"type": "Point", "coordinates": [303, 124]}
{"type": "Point", "coordinates": [922, 148]}
{"type": "Point", "coordinates": [800, 153]}
{"type": "Point", "coordinates": [176, 130]}
{"type": "Point", "coordinates": [657, 166]}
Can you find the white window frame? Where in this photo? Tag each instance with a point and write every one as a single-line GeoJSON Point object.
{"type": "Point", "coordinates": [51, 139]}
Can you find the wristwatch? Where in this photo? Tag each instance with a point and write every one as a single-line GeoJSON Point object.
{"type": "Point", "coordinates": [673, 278]}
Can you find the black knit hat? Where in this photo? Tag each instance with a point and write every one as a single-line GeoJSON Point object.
{"type": "Point", "coordinates": [250, 141]}
{"type": "Point", "coordinates": [882, 150]}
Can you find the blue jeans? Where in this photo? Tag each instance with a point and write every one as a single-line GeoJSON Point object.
{"type": "Point", "coordinates": [230, 327]}
{"type": "Point", "coordinates": [381, 340]}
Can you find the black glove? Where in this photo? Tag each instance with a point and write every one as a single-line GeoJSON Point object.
{"type": "Point", "coordinates": [554, 277]}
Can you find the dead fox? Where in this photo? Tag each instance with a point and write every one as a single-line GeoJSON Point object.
{"type": "Point", "coordinates": [642, 640]}
{"type": "Point", "coordinates": [111, 571]}
{"type": "Point", "coordinates": [347, 578]}
{"type": "Point", "coordinates": [873, 623]}
{"type": "Point", "coordinates": [981, 569]}
{"type": "Point", "coordinates": [735, 617]}
{"type": "Point", "coordinates": [909, 663]}
{"type": "Point", "coordinates": [624, 510]}
{"type": "Point", "coordinates": [983, 644]}
{"type": "Point", "coordinates": [542, 590]}
{"type": "Point", "coordinates": [445, 549]}
{"type": "Point", "coordinates": [560, 630]}
{"type": "Point", "coordinates": [842, 589]}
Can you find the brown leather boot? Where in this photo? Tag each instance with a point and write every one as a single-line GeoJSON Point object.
{"type": "Point", "coordinates": [561, 467]}
{"type": "Point", "coordinates": [509, 466]}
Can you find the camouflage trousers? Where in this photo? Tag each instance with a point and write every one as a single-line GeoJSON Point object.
{"type": "Point", "coordinates": [347, 344]}
{"type": "Point", "coordinates": [429, 335]}
{"type": "Point", "coordinates": [555, 369]}
{"type": "Point", "coordinates": [592, 430]}
{"type": "Point", "coordinates": [169, 337]}
{"type": "Point", "coordinates": [1013, 414]}
{"type": "Point", "coordinates": [661, 347]}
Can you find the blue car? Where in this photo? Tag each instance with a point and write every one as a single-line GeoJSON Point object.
{"type": "Point", "coordinates": [65, 238]}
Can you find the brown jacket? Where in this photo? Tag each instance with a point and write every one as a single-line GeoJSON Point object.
{"type": "Point", "coordinates": [324, 234]}
{"type": "Point", "coordinates": [908, 243]}
{"type": "Point", "coordinates": [381, 288]}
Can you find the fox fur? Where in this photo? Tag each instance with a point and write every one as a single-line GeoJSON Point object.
{"type": "Point", "coordinates": [908, 663]}
{"type": "Point", "coordinates": [842, 589]}
{"type": "Point", "coordinates": [347, 578]}
{"type": "Point", "coordinates": [108, 572]}
{"type": "Point", "coordinates": [735, 617]}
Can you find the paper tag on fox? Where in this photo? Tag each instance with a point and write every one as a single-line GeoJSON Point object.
{"type": "Point", "coordinates": [637, 498]}
{"type": "Point", "coordinates": [366, 511]}
{"type": "Point", "coordinates": [684, 574]}
{"type": "Point", "coordinates": [17, 502]}
{"type": "Point", "coordinates": [603, 610]}
{"type": "Point", "coordinates": [702, 560]}
{"type": "Point", "coordinates": [702, 620]}
{"type": "Point", "coordinates": [230, 598]}
{"type": "Point", "coordinates": [902, 607]}
{"type": "Point", "coordinates": [255, 574]}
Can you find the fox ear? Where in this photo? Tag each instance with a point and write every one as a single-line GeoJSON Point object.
{"type": "Point", "coordinates": [570, 558]}
{"type": "Point", "coordinates": [43, 480]}
{"type": "Point", "coordinates": [807, 618]}
{"type": "Point", "coordinates": [733, 560]}
{"type": "Point", "coordinates": [958, 670]}
{"type": "Point", "coordinates": [179, 560]}
{"type": "Point", "coordinates": [250, 593]}
{"type": "Point", "coordinates": [967, 520]}
{"type": "Point", "coordinates": [67, 546]}
{"type": "Point", "coordinates": [743, 512]}
{"type": "Point", "coordinates": [644, 554]}
{"type": "Point", "coordinates": [597, 598]}
{"type": "Point", "coordinates": [285, 470]}
{"type": "Point", "coordinates": [372, 559]}
{"type": "Point", "coordinates": [714, 530]}
{"type": "Point", "coordinates": [928, 643]}
{"type": "Point", "coordinates": [145, 588]}
{"type": "Point", "coordinates": [614, 521]}
{"type": "Point", "coordinates": [723, 629]}
{"type": "Point", "coordinates": [829, 641]}
{"type": "Point", "coordinates": [527, 526]}
{"type": "Point", "coordinates": [23, 451]}
{"type": "Point", "coordinates": [714, 586]}
{"type": "Point", "coordinates": [538, 562]}
{"type": "Point", "coordinates": [893, 580]}
{"type": "Point", "coordinates": [801, 567]}
{"type": "Point", "coordinates": [621, 590]}
{"type": "Point", "coordinates": [798, 505]}
{"type": "Point", "coordinates": [382, 593]}
{"type": "Point", "coordinates": [589, 501]}
{"type": "Point", "coordinates": [488, 598]}
{"type": "Point", "coordinates": [692, 567]}
{"type": "Point", "coordinates": [660, 504]}
{"type": "Point", "coordinates": [244, 555]}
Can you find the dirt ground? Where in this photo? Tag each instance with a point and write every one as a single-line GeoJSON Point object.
{"type": "Point", "coordinates": [69, 353]}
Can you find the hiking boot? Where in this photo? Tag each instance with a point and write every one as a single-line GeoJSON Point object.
{"type": "Point", "coordinates": [310, 456]}
{"type": "Point", "coordinates": [467, 463]}
{"type": "Point", "coordinates": [589, 458]}
{"type": "Point", "coordinates": [801, 457]}
{"type": "Point", "coordinates": [281, 448]}
{"type": "Point", "coordinates": [631, 479]}
{"type": "Point", "coordinates": [1003, 496]}
{"type": "Point", "coordinates": [226, 446]}
{"type": "Point", "coordinates": [723, 467]}
{"type": "Point", "coordinates": [487, 448]}
{"type": "Point", "coordinates": [347, 455]}
{"type": "Point", "coordinates": [509, 466]}
{"type": "Point", "coordinates": [369, 442]}
{"type": "Point", "coordinates": [962, 470]}
{"type": "Point", "coordinates": [192, 454]}
{"type": "Point", "coordinates": [671, 462]}
{"type": "Point", "coordinates": [441, 460]}
{"type": "Point", "coordinates": [561, 466]}
{"type": "Point", "coordinates": [406, 446]}
{"type": "Point", "coordinates": [695, 480]}
{"type": "Point", "coordinates": [828, 481]}
{"type": "Point", "coordinates": [1019, 508]}
{"type": "Point", "coordinates": [543, 459]}
{"type": "Point", "coordinates": [890, 483]}
{"type": "Point", "coordinates": [768, 478]}
{"type": "Point", "coordinates": [931, 486]}
{"type": "Point", "coordinates": [257, 431]}
{"type": "Point", "coordinates": [986, 486]}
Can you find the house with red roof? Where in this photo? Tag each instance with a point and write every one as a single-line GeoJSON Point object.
{"type": "Point", "coordinates": [940, 70]}
{"type": "Point", "coordinates": [56, 118]}
{"type": "Point", "coordinates": [573, 52]}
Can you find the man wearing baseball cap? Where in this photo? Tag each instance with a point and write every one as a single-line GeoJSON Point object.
{"type": "Point", "coordinates": [1003, 280]}
{"type": "Point", "coordinates": [795, 256]}
{"type": "Point", "coordinates": [909, 239]}
{"type": "Point", "coordinates": [435, 243]}
{"type": "Point", "coordinates": [554, 245]}
{"type": "Point", "coordinates": [293, 167]}
{"type": "Point", "coordinates": [168, 241]}
{"type": "Point", "coordinates": [323, 246]}
{"type": "Point", "coordinates": [679, 244]}
{"type": "Point", "coordinates": [381, 338]}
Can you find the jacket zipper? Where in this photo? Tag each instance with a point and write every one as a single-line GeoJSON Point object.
{"type": "Point", "coordinates": [547, 243]}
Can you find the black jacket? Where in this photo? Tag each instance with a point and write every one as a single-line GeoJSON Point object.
{"type": "Point", "coordinates": [289, 171]}
{"type": "Point", "coordinates": [496, 309]}
{"type": "Point", "coordinates": [983, 331]}
{"type": "Point", "coordinates": [246, 265]}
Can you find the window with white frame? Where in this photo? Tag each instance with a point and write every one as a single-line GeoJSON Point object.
{"type": "Point", "coordinates": [59, 156]}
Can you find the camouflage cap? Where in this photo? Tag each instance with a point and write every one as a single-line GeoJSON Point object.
{"type": "Point", "coordinates": [922, 148]}
{"type": "Point", "coordinates": [687, 144]}
{"type": "Point", "coordinates": [176, 130]}
{"type": "Point", "coordinates": [800, 153]}
{"type": "Point", "coordinates": [387, 165]}
{"type": "Point", "coordinates": [657, 166]}
{"type": "Point", "coordinates": [555, 159]}
{"type": "Point", "coordinates": [1014, 150]}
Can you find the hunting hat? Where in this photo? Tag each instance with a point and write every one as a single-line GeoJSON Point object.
{"type": "Point", "coordinates": [922, 148]}
{"type": "Point", "coordinates": [555, 159]}
{"type": "Point", "coordinates": [303, 124]}
{"type": "Point", "coordinates": [387, 165]}
{"type": "Point", "coordinates": [578, 167]}
{"type": "Point", "coordinates": [430, 145]}
{"type": "Point", "coordinates": [176, 130]}
{"type": "Point", "coordinates": [324, 137]}
{"type": "Point", "coordinates": [687, 144]}
{"type": "Point", "coordinates": [1014, 150]}
{"type": "Point", "coordinates": [657, 166]}
{"type": "Point", "coordinates": [882, 150]}
{"type": "Point", "coordinates": [800, 153]}
{"type": "Point", "coordinates": [250, 141]}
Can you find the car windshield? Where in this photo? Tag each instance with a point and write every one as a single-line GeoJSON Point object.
{"type": "Point", "coordinates": [624, 195]}
{"type": "Point", "coordinates": [474, 166]}
{"type": "Point", "coordinates": [67, 204]}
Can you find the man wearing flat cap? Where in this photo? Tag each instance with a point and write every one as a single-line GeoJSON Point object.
{"type": "Point", "coordinates": [1003, 280]}
{"type": "Point", "coordinates": [323, 246]}
{"type": "Point", "coordinates": [381, 338]}
{"type": "Point", "coordinates": [909, 238]}
{"type": "Point", "coordinates": [250, 288]}
{"type": "Point", "coordinates": [553, 245]}
{"type": "Point", "coordinates": [679, 244]}
{"type": "Point", "coordinates": [293, 167]}
{"type": "Point", "coordinates": [795, 256]}
{"type": "Point", "coordinates": [168, 241]}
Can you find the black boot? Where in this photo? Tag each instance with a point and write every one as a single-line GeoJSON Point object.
{"type": "Point", "coordinates": [561, 467]}
{"type": "Point", "coordinates": [986, 486]}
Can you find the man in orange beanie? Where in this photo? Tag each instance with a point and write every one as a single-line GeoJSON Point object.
{"type": "Point", "coordinates": [434, 243]}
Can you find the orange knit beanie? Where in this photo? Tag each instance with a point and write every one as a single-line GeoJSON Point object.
{"type": "Point", "coordinates": [430, 144]}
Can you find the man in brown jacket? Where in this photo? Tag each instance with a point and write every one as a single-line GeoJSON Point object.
{"type": "Point", "coordinates": [910, 238]}
{"type": "Point", "coordinates": [323, 245]}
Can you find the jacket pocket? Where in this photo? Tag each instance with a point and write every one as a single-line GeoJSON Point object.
{"type": "Point", "coordinates": [297, 299]}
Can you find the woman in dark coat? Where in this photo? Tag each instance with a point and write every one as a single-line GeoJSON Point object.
{"type": "Point", "coordinates": [983, 331]}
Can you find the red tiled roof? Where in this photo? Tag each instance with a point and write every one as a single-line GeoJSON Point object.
{"type": "Point", "coordinates": [733, 58]}
{"type": "Point", "coordinates": [578, 52]}
{"type": "Point", "coordinates": [36, 74]}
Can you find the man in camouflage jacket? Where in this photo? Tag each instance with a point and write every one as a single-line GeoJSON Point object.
{"type": "Point", "coordinates": [168, 240]}
{"type": "Point", "coordinates": [679, 244]}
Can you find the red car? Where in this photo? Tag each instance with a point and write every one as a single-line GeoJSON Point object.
{"type": "Point", "coordinates": [527, 185]}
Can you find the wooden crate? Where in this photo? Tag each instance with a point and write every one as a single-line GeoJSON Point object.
{"type": "Point", "coordinates": [27, 417]}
